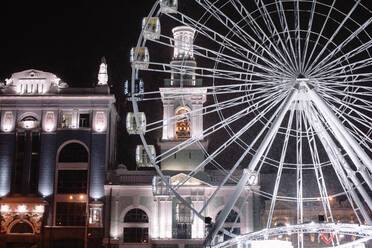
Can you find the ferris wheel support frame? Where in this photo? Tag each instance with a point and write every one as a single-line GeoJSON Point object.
{"type": "Point", "coordinates": [340, 166]}
{"type": "Point", "coordinates": [251, 167]}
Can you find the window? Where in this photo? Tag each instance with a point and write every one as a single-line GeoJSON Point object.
{"type": "Point", "coordinates": [183, 214]}
{"type": "Point", "coordinates": [183, 124]}
{"type": "Point", "coordinates": [136, 235]}
{"type": "Point", "coordinates": [70, 214]}
{"type": "Point", "coordinates": [84, 120]}
{"type": "Point", "coordinates": [95, 215]}
{"type": "Point", "coordinates": [66, 120]}
{"type": "Point", "coordinates": [184, 219]}
{"type": "Point", "coordinates": [72, 181]}
{"type": "Point", "coordinates": [73, 153]}
{"type": "Point", "coordinates": [136, 226]}
{"type": "Point", "coordinates": [136, 216]}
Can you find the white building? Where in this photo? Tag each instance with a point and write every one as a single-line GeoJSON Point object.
{"type": "Point", "coordinates": [139, 214]}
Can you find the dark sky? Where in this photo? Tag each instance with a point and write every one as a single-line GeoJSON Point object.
{"type": "Point", "coordinates": [68, 38]}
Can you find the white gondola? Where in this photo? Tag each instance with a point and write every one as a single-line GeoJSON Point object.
{"type": "Point", "coordinates": [141, 61]}
{"type": "Point", "coordinates": [168, 6]}
{"type": "Point", "coordinates": [142, 158]}
{"type": "Point", "coordinates": [159, 188]}
{"type": "Point", "coordinates": [131, 123]}
{"type": "Point", "coordinates": [139, 88]}
{"type": "Point", "coordinates": [152, 30]}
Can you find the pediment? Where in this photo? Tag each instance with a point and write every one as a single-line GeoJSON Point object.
{"type": "Point", "coordinates": [190, 182]}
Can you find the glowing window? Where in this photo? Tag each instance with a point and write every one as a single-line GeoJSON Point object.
{"type": "Point", "coordinates": [183, 124]}
{"type": "Point", "coordinates": [66, 120]}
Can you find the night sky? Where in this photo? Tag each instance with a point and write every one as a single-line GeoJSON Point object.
{"type": "Point", "coordinates": [68, 38]}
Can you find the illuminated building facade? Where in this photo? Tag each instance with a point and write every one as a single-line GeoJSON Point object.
{"type": "Point", "coordinates": [55, 145]}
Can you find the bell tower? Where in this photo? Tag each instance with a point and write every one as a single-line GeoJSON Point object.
{"type": "Point", "coordinates": [183, 97]}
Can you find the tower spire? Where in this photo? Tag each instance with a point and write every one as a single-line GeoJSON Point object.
{"type": "Point", "coordinates": [102, 74]}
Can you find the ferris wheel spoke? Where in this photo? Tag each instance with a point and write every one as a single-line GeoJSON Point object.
{"type": "Point", "coordinates": [219, 126]}
{"type": "Point", "coordinates": [350, 38]}
{"type": "Point", "coordinates": [298, 35]}
{"type": "Point", "coordinates": [308, 33]}
{"type": "Point", "coordinates": [365, 63]}
{"type": "Point", "coordinates": [258, 30]}
{"type": "Point", "coordinates": [360, 114]}
{"type": "Point", "coordinates": [357, 96]}
{"type": "Point", "coordinates": [347, 56]}
{"type": "Point", "coordinates": [228, 43]}
{"type": "Point", "coordinates": [224, 90]}
{"type": "Point", "coordinates": [280, 170]}
{"type": "Point", "coordinates": [205, 72]}
{"type": "Point", "coordinates": [208, 110]}
{"type": "Point", "coordinates": [273, 30]}
{"type": "Point", "coordinates": [226, 21]}
{"type": "Point", "coordinates": [230, 141]}
{"type": "Point", "coordinates": [233, 62]}
{"type": "Point", "coordinates": [319, 35]}
{"type": "Point", "coordinates": [310, 68]}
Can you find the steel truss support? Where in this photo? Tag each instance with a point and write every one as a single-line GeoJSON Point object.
{"type": "Point", "coordinates": [340, 166]}
{"type": "Point", "coordinates": [350, 145]}
{"type": "Point", "coordinates": [251, 167]}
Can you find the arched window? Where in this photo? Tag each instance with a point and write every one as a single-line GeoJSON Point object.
{"type": "Point", "coordinates": [136, 215]}
{"type": "Point", "coordinates": [183, 130]}
{"type": "Point", "coordinates": [136, 226]}
{"type": "Point", "coordinates": [21, 228]}
{"type": "Point", "coordinates": [73, 153]}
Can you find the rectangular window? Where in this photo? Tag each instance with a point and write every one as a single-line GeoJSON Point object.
{"type": "Point", "coordinates": [84, 120]}
{"type": "Point", "coordinates": [70, 214]}
{"type": "Point", "coordinates": [72, 181]}
{"type": "Point", "coordinates": [66, 121]}
{"type": "Point", "coordinates": [136, 235]}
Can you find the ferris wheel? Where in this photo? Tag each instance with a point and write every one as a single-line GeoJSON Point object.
{"type": "Point", "coordinates": [279, 87]}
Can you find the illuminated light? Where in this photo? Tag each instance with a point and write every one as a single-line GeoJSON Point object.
{"type": "Point", "coordinates": [39, 209]}
{"type": "Point", "coordinates": [22, 208]}
{"type": "Point", "coordinates": [318, 199]}
{"type": "Point", "coordinates": [7, 124]}
{"type": "Point", "coordinates": [71, 197]}
{"type": "Point", "coordinates": [49, 122]}
{"type": "Point", "coordinates": [4, 208]}
{"type": "Point", "coordinates": [330, 198]}
{"type": "Point", "coordinates": [81, 197]}
{"type": "Point", "coordinates": [100, 122]}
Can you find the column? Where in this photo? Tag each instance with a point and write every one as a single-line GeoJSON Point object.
{"type": "Point", "coordinates": [97, 166]}
{"type": "Point", "coordinates": [249, 222]}
{"type": "Point", "coordinates": [198, 224]}
{"type": "Point", "coordinates": [7, 154]}
{"type": "Point", "coordinates": [48, 151]}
